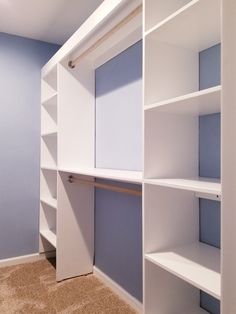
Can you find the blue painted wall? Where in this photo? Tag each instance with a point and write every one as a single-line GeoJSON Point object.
{"type": "Point", "coordinates": [118, 217]}
{"type": "Point", "coordinates": [209, 161]}
{"type": "Point", "coordinates": [20, 65]}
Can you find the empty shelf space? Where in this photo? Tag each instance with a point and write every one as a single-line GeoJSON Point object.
{"type": "Point", "coordinates": [110, 174]}
{"type": "Point", "coordinates": [50, 201]}
{"type": "Point", "coordinates": [50, 236]}
{"type": "Point", "coordinates": [202, 30]}
{"type": "Point", "coordinates": [50, 101]}
{"type": "Point", "coordinates": [195, 311]}
{"type": "Point", "coordinates": [203, 102]}
{"type": "Point", "coordinates": [200, 185]}
{"type": "Point", "coordinates": [197, 264]}
{"type": "Point", "coordinates": [49, 134]}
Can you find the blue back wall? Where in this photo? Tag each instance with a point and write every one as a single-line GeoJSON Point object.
{"type": "Point", "coordinates": [118, 217]}
{"type": "Point", "coordinates": [21, 61]}
{"type": "Point", "coordinates": [209, 160]}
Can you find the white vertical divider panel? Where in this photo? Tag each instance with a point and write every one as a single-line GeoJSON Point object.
{"type": "Point", "coordinates": [168, 294]}
{"type": "Point", "coordinates": [75, 228]}
{"type": "Point", "coordinates": [162, 232]}
{"type": "Point", "coordinates": [76, 133]}
{"type": "Point", "coordinates": [171, 145]}
{"type": "Point", "coordinates": [76, 115]}
{"type": "Point", "coordinates": [170, 71]}
{"type": "Point", "coordinates": [228, 222]}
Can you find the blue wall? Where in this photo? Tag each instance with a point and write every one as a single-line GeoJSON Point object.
{"type": "Point", "coordinates": [209, 160]}
{"type": "Point", "coordinates": [118, 217]}
{"type": "Point", "coordinates": [20, 66]}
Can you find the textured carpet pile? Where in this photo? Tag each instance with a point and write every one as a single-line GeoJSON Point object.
{"type": "Point", "coordinates": [32, 289]}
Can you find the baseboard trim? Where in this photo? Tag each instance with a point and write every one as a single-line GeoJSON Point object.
{"type": "Point", "coordinates": [116, 288]}
{"type": "Point", "coordinates": [25, 259]}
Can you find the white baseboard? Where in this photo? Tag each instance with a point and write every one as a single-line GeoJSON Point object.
{"type": "Point", "coordinates": [25, 259]}
{"type": "Point", "coordinates": [117, 289]}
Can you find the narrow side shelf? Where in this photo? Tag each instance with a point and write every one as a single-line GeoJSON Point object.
{"type": "Point", "coordinates": [197, 264]}
{"type": "Point", "coordinates": [50, 101]}
{"type": "Point", "coordinates": [199, 185]}
{"type": "Point", "coordinates": [50, 168]}
{"type": "Point", "coordinates": [50, 201]}
{"type": "Point", "coordinates": [50, 134]}
{"type": "Point", "coordinates": [202, 102]}
{"type": "Point", "coordinates": [50, 236]}
{"type": "Point", "coordinates": [110, 174]}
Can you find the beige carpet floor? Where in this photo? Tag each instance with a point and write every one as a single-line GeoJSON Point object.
{"type": "Point", "coordinates": [32, 288]}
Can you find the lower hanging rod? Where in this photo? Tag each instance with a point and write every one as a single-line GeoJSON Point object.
{"type": "Point", "coordinates": [105, 186]}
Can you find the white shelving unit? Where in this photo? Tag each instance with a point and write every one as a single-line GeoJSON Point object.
{"type": "Point", "coordinates": [176, 264]}
{"type": "Point", "coordinates": [68, 136]}
{"type": "Point", "coordinates": [48, 182]}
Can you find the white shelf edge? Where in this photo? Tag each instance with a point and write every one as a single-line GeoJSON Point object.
{"type": "Point", "coordinates": [50, 236]}
{"type": "Point", "coordinates": [207, 91]}
{"type": "Point", "coordinates": [193, 264]}
{"type": "Point", "coordinates": [170, 17]}
{"type": "Point", "coordinates": [48, 101]}
{"type": "Point", "coordinates": [110, 174]}
{"type": "Point", "coordinates": [198, 185]}
{"type": "Point", "coordinates": [51, 168]}
{"type": "Point", "coordinates": [49, 134]}
{"type": "Point", "coordinates": [50, 201]}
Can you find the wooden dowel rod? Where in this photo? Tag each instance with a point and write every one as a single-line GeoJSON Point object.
{"type": "Point", "coordinates": [117, 27]}
{"type": "Point", "coordinates": [105, 186]}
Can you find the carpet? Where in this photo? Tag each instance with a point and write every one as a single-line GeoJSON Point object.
{"type": "Point", "coordinates": [32, 288]}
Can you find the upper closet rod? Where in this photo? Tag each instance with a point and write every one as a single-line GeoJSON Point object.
{"type": "Point", "coordinates": [106, 186]}
{"type": "Point", "coordinates": [122, 23]}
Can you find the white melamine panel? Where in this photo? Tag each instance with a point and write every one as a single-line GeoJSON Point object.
{"type": "Point", "coordinates": [47, 223]}
{"type": "Point", "coordinates": [201, 185]}
{"type": "Point", "coordinates": [158, 10]}
{"type": "Point", "coordinates": [50, 201]}
{"type": "Point", "coordinates": [49, 151]}
{"type": "Point", "coordinates": [50, 236]}
{"type": "Point", "coordinates": [48, 183]}
{"type": "Point", "coordinates": [170, 71]}
{"type": "Point", "coordinates": [228, 166]}
{"type": "Point", "coordinates": [167, 294]}
{"type": "Point", "coordinates": [50, 101]}
{"type": "Point", "coordinates": [75, 228]}
{"type": "Point", "coordinates": [195, 28]}
{"type": "Point", "coordinates": [51, 77]}
{"type": "Point", "coordinates": [48, 120]}
{"type": "Point", "coordinates": [76, 116]}
{"type": "Point", "coordinates": [47, 91]}
{"type": "Point", "coordinates": [203, 102]}
{"type": "Point", "coordinates": [171, 218]}
{"type": "Point", "coordinates": [198, 264]}
{"type": "Point", "coordinates": [110, 174]}
{"type": "Point", "coordinates": [171, 145]}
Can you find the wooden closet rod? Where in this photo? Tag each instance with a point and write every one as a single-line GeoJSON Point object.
{"type": "Point", "coordinates": [106, 186]}
{"type": "Point", "coordinates": [117, 27]}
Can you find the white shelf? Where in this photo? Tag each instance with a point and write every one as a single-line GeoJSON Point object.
{"type": "Point", "coordinates": [191, 27]}
{"type": "Point", "coordinates": [50, 101]}
{"type": "Point", "coordinates": [195, 311]}
{"type": "Point", "coordinates": [203, 102]}
{"type": "Point", "coordinates": [197, 264]}
{"type": "Point", "coordinates": [199, 185]}
{"type": "Point", "coordinates": [50, 201]}
{"type": "Point", "coordinates": [51, 168]}
{"type": "Point", "coordinates": [111, 174]}
{"type": "Point", "coordinates": [50, 236]}
{"type": "Point", "coordinates": [49, 134]}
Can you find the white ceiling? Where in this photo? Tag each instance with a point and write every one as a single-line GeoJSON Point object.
{"type": "Point", "coordinates": [48, 20]}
